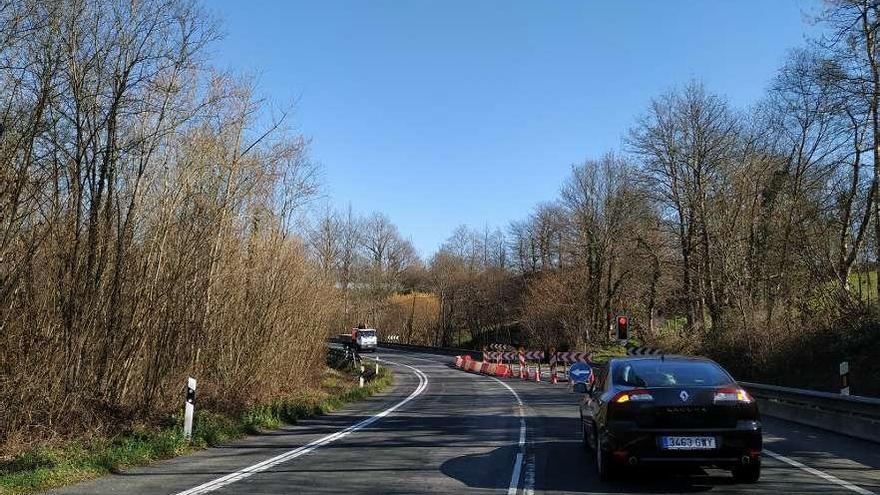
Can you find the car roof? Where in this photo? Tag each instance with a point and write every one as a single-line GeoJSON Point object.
{"type": "Point", "coordinates": [665, 357]}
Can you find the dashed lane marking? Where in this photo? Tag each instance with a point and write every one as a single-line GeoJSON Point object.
{"type": "Point", "coordinates": [517, 463]}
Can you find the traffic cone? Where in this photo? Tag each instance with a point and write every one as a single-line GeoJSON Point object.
{"type": "Point", "coordinates": [553, 378]}
{"type": "Point", "coordinates": [538, 373]}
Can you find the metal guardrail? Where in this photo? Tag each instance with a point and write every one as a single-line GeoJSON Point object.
{"type": "Point", "coordinates": [854, 416]}
{"type": "Point", "coordinates": [448, 351]}
{"type": "Point", "coordinates": [866, 407]}
{"type": "Point", "coordinates": [347, 359]}
{"type": "Point", "coordinates": [340, 357]}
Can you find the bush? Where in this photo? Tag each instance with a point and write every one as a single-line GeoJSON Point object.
{"type": "Point", "coordinates": [41, 468]}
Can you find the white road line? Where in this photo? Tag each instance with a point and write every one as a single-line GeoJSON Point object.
{"type": "Point", "coordinates": [305, 449]}
{"type": "Point", "coordinates": [821, 474]}
{"type": "Point", "coordinates": [517, 464]}
{"type": "Point", "coordinates": [529, 483]}
{"type": "Point", "coordinates": [514, 475]}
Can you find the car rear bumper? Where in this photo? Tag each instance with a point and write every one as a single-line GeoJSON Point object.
{"type": "Point", "coordinates": [734, 446]}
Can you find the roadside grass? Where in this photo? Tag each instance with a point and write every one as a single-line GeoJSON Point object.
{"type": "Point", "coordinates": [44, 468]}
{"type": "Point", "coordinates": [673, 325]}
{"type": "Point", "coordinates": [602, 354]}
{"type": "Point", "coordinates": [862, 287]}
{"type": "Point", "coordinates": [463, 338]}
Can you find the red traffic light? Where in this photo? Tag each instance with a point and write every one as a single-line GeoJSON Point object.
{"type": "Point", "coordinates": [622, 327]}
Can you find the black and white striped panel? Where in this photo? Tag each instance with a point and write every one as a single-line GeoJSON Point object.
{"type": "Point", "coordinates": [643, 351]}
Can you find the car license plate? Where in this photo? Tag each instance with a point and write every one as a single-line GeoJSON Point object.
{"type": "Point", "coordinates": [687, 443]}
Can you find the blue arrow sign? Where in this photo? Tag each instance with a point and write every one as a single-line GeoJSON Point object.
{"type": "Point", "coordinates": [580, 372]}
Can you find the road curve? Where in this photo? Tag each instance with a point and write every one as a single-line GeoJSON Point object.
{"type": "Point", "coordinates": [440, 430]}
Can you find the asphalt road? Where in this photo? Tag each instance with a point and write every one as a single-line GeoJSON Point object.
{"type": "Point", "coordinates": [441, 430]}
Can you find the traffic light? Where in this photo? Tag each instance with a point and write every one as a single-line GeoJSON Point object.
{"type": "Point", "coordinates": [622, 327]}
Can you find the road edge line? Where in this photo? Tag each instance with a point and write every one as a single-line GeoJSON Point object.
{"type": "Point", "coordinates": [248, 471]}
{"type": "Point", "coordinates": [820, 474]}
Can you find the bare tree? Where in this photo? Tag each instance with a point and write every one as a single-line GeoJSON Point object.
{"type": "Point", "coordinates": [852, 49]}
{"type": "Point", "coordinates": [325, 239]}
{"type": "Point", "coordinates": [685, 140]}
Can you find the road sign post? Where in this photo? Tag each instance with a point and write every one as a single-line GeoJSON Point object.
{"type": "Point", "coordinates": [189, 408]}
{"type": "Point", "coordinates": [579, 373]}
{"type": "Point", "coordinates": [522, 364]}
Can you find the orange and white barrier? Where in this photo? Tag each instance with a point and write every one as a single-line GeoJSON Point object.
{"type": "Point", "coordinates": [503, 371]}
{"type": "Point", "coordinates": [494, 364]}
{"type": "Point", "coordinates": [466, 363]}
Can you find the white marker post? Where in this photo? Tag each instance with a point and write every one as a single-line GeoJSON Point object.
{"type": "Point", "coordinates": [361, 378]}
{"type": "Point", "coordinates": [844, 378]}
{"type": "Point", "coordinates": [377, 365]}
{"type": "Point", "coordinates": [190, 408]}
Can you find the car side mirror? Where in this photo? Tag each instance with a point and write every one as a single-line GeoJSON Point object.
{"type": "Point", "coordinates": [581, 388]}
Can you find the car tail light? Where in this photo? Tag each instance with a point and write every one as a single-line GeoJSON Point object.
{"type": "Point", "coordinates": [732, 395]}
{"type": "Point", "coordinates": [636, 395]}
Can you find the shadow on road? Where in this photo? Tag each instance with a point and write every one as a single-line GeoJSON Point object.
{"type": "Point", "coordinates": [487, 470]}
{"type": "Point", "coordinates": [483, 470]}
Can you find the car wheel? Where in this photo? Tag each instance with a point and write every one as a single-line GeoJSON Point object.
{"type": "Point", "coordinates": [604, 466]}
{"type": "Point", "coordinates": [750, 473]}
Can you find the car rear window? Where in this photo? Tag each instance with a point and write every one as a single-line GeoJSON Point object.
{"type": "Point", "coordinates": [367, 333]}
{"type": "Point", "coordinates": [657, 373]}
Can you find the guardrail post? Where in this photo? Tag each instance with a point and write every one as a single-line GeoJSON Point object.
{"type": "Point", "coordinates": [844, 378]}
{"type": "Point", "coordinates": [189, 408]}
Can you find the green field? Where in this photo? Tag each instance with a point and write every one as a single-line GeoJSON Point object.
{"type": "Point", "coordinates": [864, 285]}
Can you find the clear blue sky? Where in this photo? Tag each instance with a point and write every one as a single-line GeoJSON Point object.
{"type": "Point", "coordinates": [440, 113]}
